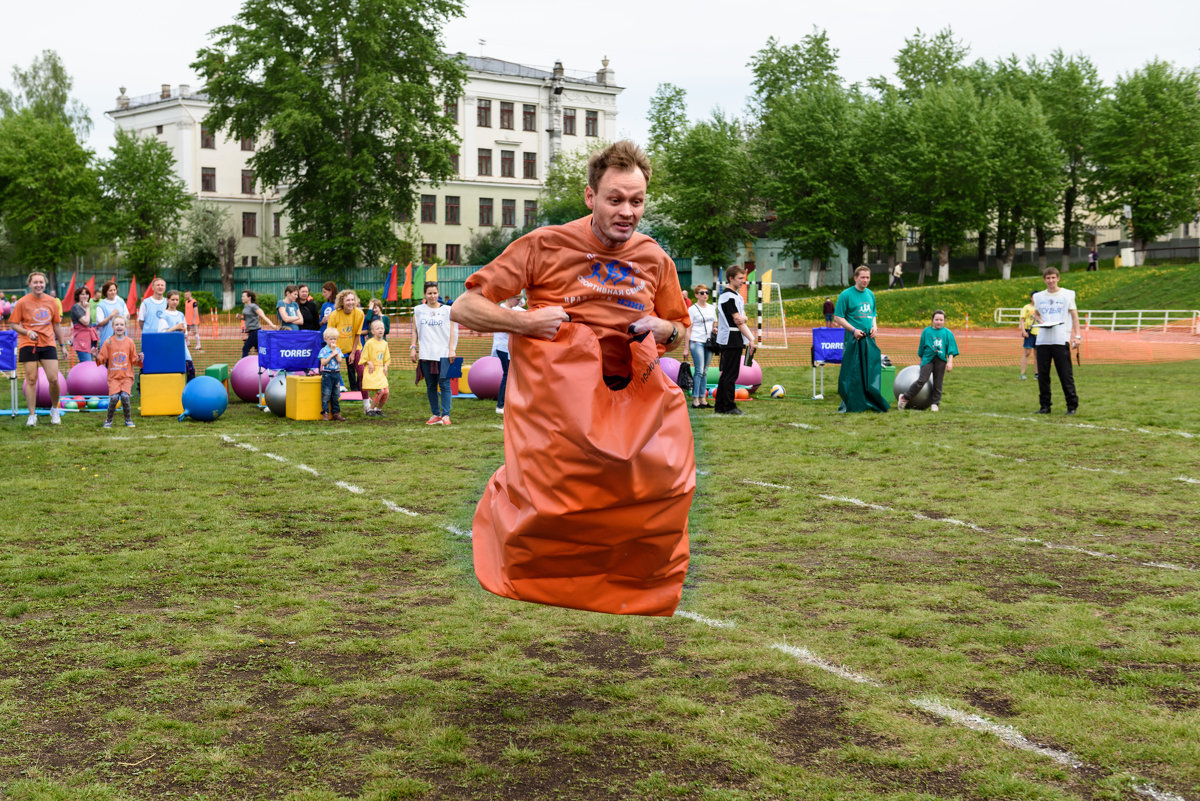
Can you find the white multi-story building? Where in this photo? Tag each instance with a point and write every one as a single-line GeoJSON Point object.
{"type": "Point", "coordinates": [512, 120]}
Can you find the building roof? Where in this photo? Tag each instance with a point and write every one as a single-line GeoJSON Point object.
{"type": "Point", "coordinates": [497, 66]}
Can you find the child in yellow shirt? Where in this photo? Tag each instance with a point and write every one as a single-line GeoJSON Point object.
{"type": "Point", "coordinates": [376, 357]}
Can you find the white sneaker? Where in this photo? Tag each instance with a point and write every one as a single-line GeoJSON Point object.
{"type": "Point", "coordinates": [901, 402]}
{"type": "Point", "coordinates": [32, 421]}
{"type": "Point", "coordinates": [54, 417]}
{"type": "Point", "coordinates": [934, 408]}
{"type": "Point", "coordinates": [366, 405]}
{"type": "Point", "coordinates": [499, 410]}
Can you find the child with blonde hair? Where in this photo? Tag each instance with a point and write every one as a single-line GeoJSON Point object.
{"type": "Point", "coordinates": [331, 377]}
{"type": "Point", "coordinates": [376, 357]}
{"type": "Point", "coordinates": [119, 355]}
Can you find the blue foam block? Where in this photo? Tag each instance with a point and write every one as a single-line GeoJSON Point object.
{"type": "Point", "coordinates": [164, 353]}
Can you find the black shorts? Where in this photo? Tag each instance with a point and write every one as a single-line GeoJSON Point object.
{"type": "Point", "coordinates": [42, 353]}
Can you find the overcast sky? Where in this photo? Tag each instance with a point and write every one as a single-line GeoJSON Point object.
{"type": "Point", "coordinates": [702, 46]}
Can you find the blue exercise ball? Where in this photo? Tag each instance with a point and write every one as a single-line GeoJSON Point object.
{"type": "Point", "coordinates": [204, 399]}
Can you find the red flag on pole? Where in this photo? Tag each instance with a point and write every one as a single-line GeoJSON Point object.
{"type": "Point", "coordinates": [149, 288]}
{"type": "Point", "coordinates": [91, 286]}
{"type": "Point", "coordinates": [69, 297]}
{"type": "Point", "coordinates": [389, 292]}
{"type": "Point", "coordinates": [131, 301]}
{"type": "Point", "coordinates": [406, 292]}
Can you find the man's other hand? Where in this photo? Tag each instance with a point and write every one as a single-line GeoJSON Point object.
{"type": "Point", "coordinates": [544, 322]}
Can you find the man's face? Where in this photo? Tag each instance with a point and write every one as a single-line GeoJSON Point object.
{"type": "Point", "coordinates": [159, 287]}
{"type": "Point", "coordinates": [862, 279]}
{"type": "Point", "coordinates": [737, 281]}
{"type": "Point", "coordinates": [1051, 280]}
{"type": "Point", "coordinates": [37, 284]}
{"type": "Point", "coordinates": [617, 205]}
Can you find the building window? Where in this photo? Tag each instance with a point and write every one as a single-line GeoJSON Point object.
{"type": "Point", "coordinates": [208, 179]}
{"type": "Point", "coordinates": [428, 208]}
{"type": "Point", "coordinates": [405, 215]}
{"type": "Point", "coordinates": [158, 129]}
{"type": "Point", "coordinates": [450, 109]}
{"type": "Point", "coordinates": [247, 182]}
{"type": "Point", "coordinates": [254, 261]}
{"type": "Point", "coordinates": [275, 227]}
{"type": "Point", "coordinates": [454, 163]}
{"type": "Point", "coordinates": [529, 117]}
{"type": "Point", "coordinates": [591, 124]}
{"type": "Point", "coordinates": [506, 115]}
{"type": "Point", "coordinates": [453, 254]}
{"type": "Point", "coordinates": [508, 164]}
{"type": "Point", "coordinates": [508, 213]}
{"type": "Point", "coordinates": [485, 211]}
{"type": "Point", "coordinates": [530, 213]}
{"type": "Point", "coordinates": [483, 113]}
{"type": "Point", "coordinates": [529, 161]}
{"type": "Point", "coordinates": [245, 261]}
{"type": "Point", "coordinates": [452, 210]}
{"type": "Point", "coordinates": [569, 121]}
{"type": "Point", "coordinates": [249, 223]}
{"type": "Point", "coordinates": [485, 161]}
{"type": "Point", "coordinates": [428, 253]}
{"type": "Point", "coordinates": [247, 143]}
{"type": "Point", "coordinates": [207, 140]}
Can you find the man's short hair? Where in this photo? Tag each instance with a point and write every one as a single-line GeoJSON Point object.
{"type": "Point", "coordinates": [32, 274]}
{"type": "Point", "coordinates": [862, 267]}
{"type": "Point", "coordinates": [733, 271]}
{"type": "Point", "coordinates": [622, 156]}
{"type": "Point", "coordinates": [1049, 270]}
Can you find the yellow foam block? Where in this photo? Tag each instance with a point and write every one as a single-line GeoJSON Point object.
{"type": "Point", "coordinates": [303, 397]}
{"type": "Point", "coordinates": [162, 394]}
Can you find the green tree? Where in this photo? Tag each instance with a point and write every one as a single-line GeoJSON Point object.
{"type": "Point", "coordinates": [668, 120]}
{"type": "Point", "coordinates": [205, 224]}
{"type": "Point", "coordinates": [1147, 150]}
{"type": "Point", "coordinates": [707, 191]}
{"type": "Point", "coordinates": [873, 198]}
{"type": "Point", "coordinates": [48, 190]}
{"type": "Point", "coordinates": [562, 195]}
{"type": "Point", "coordinates": [927, 61]}
{"type": "Point", "coordinates": [45, 91]}
{"type": "Point", "coordinates": [781, 69]}
{"type": "Point", "coordinates": [947, 172]}
{"type": "Point", "coordinates": [486, 245]}
{"type": "Point", "coordinates": [143, 201]}
{"type": "Point", "coordinates": [346, 100]}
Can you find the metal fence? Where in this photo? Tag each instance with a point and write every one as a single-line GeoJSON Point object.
{"type": "Point", "coordinates": [1123, 319]}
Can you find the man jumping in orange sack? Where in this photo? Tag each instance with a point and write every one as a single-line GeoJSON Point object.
{"type": "Point", "coordinates": [589, 510]}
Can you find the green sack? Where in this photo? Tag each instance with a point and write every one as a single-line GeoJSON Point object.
{"type": "Point", "coordinates": [860, 377]}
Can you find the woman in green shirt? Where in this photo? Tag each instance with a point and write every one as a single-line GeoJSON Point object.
{"type": "Point", "coordinates": [937, 351]}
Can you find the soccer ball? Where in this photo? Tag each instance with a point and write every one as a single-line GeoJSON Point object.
{"type": "Point", "coordinates": [778, 391]}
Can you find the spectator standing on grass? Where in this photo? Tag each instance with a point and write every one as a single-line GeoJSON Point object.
{"type": "Point", "coordinates": [1058, 331]}
{"type": "Point", "coordinates": [434, 341]}
{"type": "Point", "coordinates": [35, 317]}
{"type": "Point", "coordinates": [119, 355]}
{"type": "Point", "coordinates": [309, 315]}
{"type": "Point", "coordinates": [330, 292]}
{"type": "Point", "coordinates": [253, 319]}
{"type": "Point", "coordinates": [151, 310]}
{"type": "Point", "coordinates": [827, 310]}
{"type": "Point", "coordinates": [702, 338]}
{"type": "Point", "coordinates": [83, 333]}
{"type": "Point", "coordinates": [374, 311]}
{"type": "Point", "coordinates": [732, 336]}
{"type": "Point", "coordinates": [347, 319]}
{"type": "Point", "coordinates": [1028, 328]}
{"type": "Point", "coordinates": [1093, 260]}
{"type": "Point", "coordinates": [173, 320]}
{"type": "Point", "coordinates": [111, 307]}
{"type": "Point", "coordinates": [897, 275]}
{"type": "Point", "coordinates": [331, 377]}
{"type": "Point", "coordinates": [500, 346]}
{"type": "Point", "coordinates": [191, 316]}
{"type": "Point", "coordinates": [288, 309]}
{"type": "Point", "coordinates": [936, 351]}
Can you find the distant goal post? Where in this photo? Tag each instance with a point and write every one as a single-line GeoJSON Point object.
{"type": "Point", "coordinates": [772, 325]}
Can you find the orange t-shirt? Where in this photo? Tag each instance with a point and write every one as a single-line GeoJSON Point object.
{"type": "Point", "coordinates": [119, 357]}
{"type": "Point", "coordinates": [191, 312]}
{"type": "Point", "coordinates": [36, 314]}
{"type": "Point", "coordinates": [606, 289]}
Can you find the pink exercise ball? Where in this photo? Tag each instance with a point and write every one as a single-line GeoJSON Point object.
{"type": "Point", "coordinates": [750, 376]}
{"type": "Point", "coordinates": [88, 378]}
{"type": "Point", "coordinates": [246, 382]}
{"type": "Point", "coordinates": [43, 389]}
{"type": "Point", "coordinates": [485, 377]}
{"type": "Point", "coordinates": [670, 367]}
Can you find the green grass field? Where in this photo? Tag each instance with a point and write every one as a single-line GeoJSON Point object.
{"type": "Point", "coordinates": [974, 604]}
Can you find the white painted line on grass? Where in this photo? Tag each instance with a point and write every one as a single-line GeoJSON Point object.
{"type": "Point", "coordinates": [275, 456]}
{"type": "Point", "coordinates": [855, 502]}
{"type": "Point", "coordinates": [707, 621]}
{"type": "Point", "coordinates": [1184, 434]}
{"type": "Point", "coordinates": [809, 658]}
{"type": "Point", "coordinates": [307, 469]}
{"type": "Point", "coordinates": [805, 426]}
{"type": "Point", "coordinates": [392, 507]}
{"type": "Point", "coordinates": [1148, 791]}
{"type": "Point", "coordinates": [1019, 460]}
{"type": "Point", "coordinates": [766, 484]}
{"type": "Point", "coordinates": [1007, 734]}
{"type": "Point", "coordinates": [1187, 480]}
{"type": "Point", "coordinates": [953, 521]}
{"type": "Point", "coordinates": [349, 487]}
{"type": "Point", "coordinates": [456, 531]}
{"type": "Point", "coordinates": [1101, 555]}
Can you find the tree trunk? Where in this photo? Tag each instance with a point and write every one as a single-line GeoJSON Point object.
{"type": "Point", "coordinates": [1041, 248]}
{"type": "Point", "coordinates": [1007, 262]}
{"type": "Point", "coordinates": [983, 251]}
{"type": "Point", "coordinates": [814, 273]}
{"type": "Point", "coordinates": [1068, 222]}
{"type": "Point", "coordinates": [1139, 251]}
{"type": "Point", "coordinates": [227, 263]}
{"type": "Point", "coordinates": [943, 263]}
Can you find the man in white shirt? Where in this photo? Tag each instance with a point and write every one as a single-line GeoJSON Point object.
{"type": "Point", "coordinates": [152, 309]}
{"type": "Point", "coordinates": [1058, 332]}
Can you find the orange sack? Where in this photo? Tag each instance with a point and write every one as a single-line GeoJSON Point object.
{"type": "Point", "coordinates": [590, 508]}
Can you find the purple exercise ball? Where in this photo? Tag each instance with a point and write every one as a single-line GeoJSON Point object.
{"type": "Point", "coordinates": [43, 389]}
{"type": "Point", "coordinates": [485, 377]}
{"type": "Point", "coordinates": [246, 382]}
{"type": "Point", "coordinates": [88, 378]}
{"type": "Point", "coordinates": [750, 377]}
{"type": "Point", "coordinates": [670, 367]}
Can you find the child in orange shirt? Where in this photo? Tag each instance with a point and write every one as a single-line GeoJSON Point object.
{"type": "Point", "coordinates": [119, 355]}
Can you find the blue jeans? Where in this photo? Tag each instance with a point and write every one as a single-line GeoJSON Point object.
{"type": "Point", "coordinates": [502, 355]}
{"type": "Point", "coordinates": [84, 356]}
{"type": "Point", "coordinates": [701, 356]}
{"type": "Point", "coordinates": [431, 388]}
{"type": "Point", "coordinates": [331, 396]}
